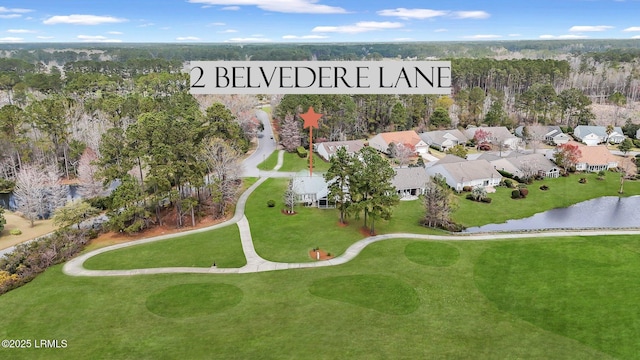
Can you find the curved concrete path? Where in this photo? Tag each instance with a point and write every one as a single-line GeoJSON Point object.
{"type": "Point", "coordinates": [255, 263]}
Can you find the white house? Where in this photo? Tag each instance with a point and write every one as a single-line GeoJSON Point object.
{"type": "Point", "coordinates": [327, 149]}
{"type": "Point", "coordinates": [409, 138]}
{"type": "Point", "coordinates": [443, 139]}
{"type": "Point", "coordinates": [523, 165]}
{"type": "Point", "coordinates": [468, 173]}
{"type": "Point", "coordinates": [594, 135]}
{"type": "Point", "coordinates": [550, 134]}
{"type": "Point", "coordinates": [312, 190]}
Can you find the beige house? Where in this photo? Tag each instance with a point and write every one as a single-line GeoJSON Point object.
{"type": "Point", "coordinates": [409, 138]}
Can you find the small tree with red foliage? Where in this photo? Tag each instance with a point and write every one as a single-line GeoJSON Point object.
{"type": "Point", "coordinates": [481, 136]}
{"type": "Point", "coordinates": [567, 156]}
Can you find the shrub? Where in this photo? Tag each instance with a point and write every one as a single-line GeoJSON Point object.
{"type": "Point", "coordinates": [506, 174]}
{"type": "Point", "coordinates": [544, 187]}
{"type": "Point", "coordinates": [271, 203]}
{"type": "Point", "coordinates": [467, 188]}
{"type": "Point", "coordinates": [470, 197]}
{"type": "Point", "coordinates": [15, 232]}
{"type": "Point", "coordinates": [302, 152]}
{"type": "Point", "coordinates": [524, 192]}
{"type": "Point", "coordinates": [515, 194]}
{"type": "Point", "coordinates": [486, 200]}
{"type": "Point", "coordinates": [508, 183]}
{"type": "Point", "coordinates": [582, 180]}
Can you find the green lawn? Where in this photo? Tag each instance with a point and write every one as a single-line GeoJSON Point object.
{"type": "Point", "coordinates": [270, 162]}
{"type": "Point", "coordinates": [293, 163]}
{"type": "Point", "coordinates": [563, 298]}
{"type": "Point", "coordinates": [195, 250]}
{"type": "Point", "coordinates": [563, 192]}
{"type": "Point", "coordinates": [289, 238]}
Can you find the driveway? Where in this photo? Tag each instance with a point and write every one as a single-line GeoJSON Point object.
{"type": "Point", "coordinates": [266, 146]}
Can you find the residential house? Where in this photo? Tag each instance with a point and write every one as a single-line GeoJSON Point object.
{"type": "Point", "coordinates": [594, 135]}
{"type": "Point", "coordinates": [552, 135]}
{"type": "Point", "coordinates": [382, 141]}
{"type": "Point", "coordinates": [595, 159]}
{"type": "Point", "coordinates": [327, 149]}
{"type": "Point", "coordinates": [524, 165]}
{"type": "Point", "coordinates": [312, 190]}
{"type": "Point", "coordinates": [467, 173]}
{"type": "Point", "coordinates": [443, 139]}
{"type": "Point", "coordinates": [498, 135]}
{"type": "Point", "coordinates": [410, 182]}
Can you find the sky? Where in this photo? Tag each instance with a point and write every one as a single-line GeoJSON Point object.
{"type": "Point", "coordinates": [295, 21]}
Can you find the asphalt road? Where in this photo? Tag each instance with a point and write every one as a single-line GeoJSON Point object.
{"type": "Point", "coordinates": [266, 146]}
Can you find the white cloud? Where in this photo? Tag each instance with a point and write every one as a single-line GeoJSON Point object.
{"type": "Point", "coordinates": [359, 27]}
{"type": "Point", "coordinates": [590, 28]}
{"type": "Point", "coordinates": [188, 38]}
{"type": "Point", "coordinates": [146, 25]}
{"type": "Point", "coordinates": [479, 14]}
{"type": "Point", "coordinates": [82, 20]}
{"type": "Point", "coordinates": [249, 39]}
{"type": "Point", "coordinates": [228, 31]}
{"type": "Point", "coordinates": [14, 10]}
{"type": "Point", "coordinates": [305, 37]}
{"type": "Point", "coordinates": [115, 32]}
{"type": "Point", "coordinates": [440, 30]}
{"type": "Point", "coordinates": [10, 16]}
{"type": "Point", "coordinates": [405, 13]}
{"type": "Point", "coordinates": [231, 8]}
{"type": "Point", "coordinates": [483, 36]}
{"type": "Point", "coordinates": [11, 39]}
{"type": "Point", "coordinates": [283, 6]}
{"type": "Point", "coordinates": [20, 31]}
{"type": "Point", "coordinates": [45, 37]}
{"type": "Point", "coordinates": [636, 37]}
{"type": "Point", "coordinates": [97, 38]}
{"type": "Point", "coordinates": [633, 28]}
{"type": "Point", "coordinates": [514, 35]}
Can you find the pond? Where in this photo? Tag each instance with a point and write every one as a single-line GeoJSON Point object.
{"type": "Point", "coordinates": [604, 212]}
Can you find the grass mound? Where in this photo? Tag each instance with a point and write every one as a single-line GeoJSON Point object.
{"type": "Point", "coordinates": [581, 290]}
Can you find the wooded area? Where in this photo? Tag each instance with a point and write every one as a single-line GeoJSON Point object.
{"type": "Point", "coordinates": [121, 116]}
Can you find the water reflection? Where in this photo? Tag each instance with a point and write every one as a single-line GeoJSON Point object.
{"type": "Point", "coordinates": [604, 212]}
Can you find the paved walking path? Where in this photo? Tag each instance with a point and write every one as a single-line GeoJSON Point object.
{"type": "Point", "coordinates": [255, 263]}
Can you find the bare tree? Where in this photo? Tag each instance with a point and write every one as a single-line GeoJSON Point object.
{"type": "Point", "coordinates": [223, 163]}
{"type": "Point", "coordinates": [290, 133]}
{"type": "Point", "coordinates": [403, 153]}
{"type": "Point", "coordinates": [289, 197]}
{"type": "Point", "coordinates": [38, 192]}
{"type": "Point", "coordinates": [90, 185]}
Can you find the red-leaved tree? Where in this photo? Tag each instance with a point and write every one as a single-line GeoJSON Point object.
{"type": "Point", "coordinates": [567, 156]}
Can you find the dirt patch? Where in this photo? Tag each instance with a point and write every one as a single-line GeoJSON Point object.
{"type": "Point", "coordinates": [323, 255]}
{"type": "Point", "coordinates": [344, 224]}
{"type": "Point", "coordinates": [366, 232]}
{"type": "Point", "coordinates": [287, 212]}
{"type": "Point", "coordinates": [40, 227]}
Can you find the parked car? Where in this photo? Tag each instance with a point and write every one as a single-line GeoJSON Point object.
{"type": "Point", "coordinates": [484, 146]}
